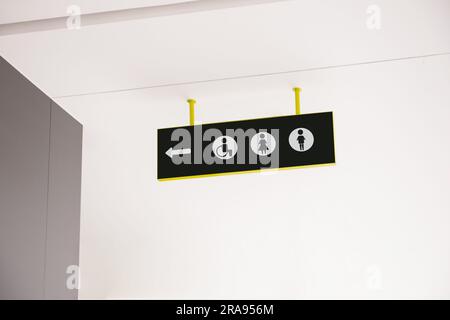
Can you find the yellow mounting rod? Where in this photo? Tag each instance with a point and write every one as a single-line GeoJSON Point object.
{"type": "Point", "coordinates": [191, 111]}
{"type": "Point", "coordinates": [297, 100]}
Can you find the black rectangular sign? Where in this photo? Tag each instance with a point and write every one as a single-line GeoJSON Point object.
{"type": "Point", "coordinates": [245, 146]}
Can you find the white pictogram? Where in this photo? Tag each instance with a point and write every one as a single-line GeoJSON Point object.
{"type": "Point", "coordinates": [263, 143]}
{"type": "Point", "coordinates": [301, 139]}
{"type": "Point", "coordinates": [224, 147]}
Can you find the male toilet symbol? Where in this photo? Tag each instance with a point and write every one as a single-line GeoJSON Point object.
{"type": "Point", "coordinates": [301, 139]}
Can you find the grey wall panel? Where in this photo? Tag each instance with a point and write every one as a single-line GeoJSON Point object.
{"type": "Point", "coordinates": [24, 152]}
{"type": "Point", "coordinates": [40, 181]}
{"type": "Point", "coordinates": [63, 219]}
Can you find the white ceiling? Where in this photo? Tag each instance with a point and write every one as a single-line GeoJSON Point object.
{"type": "Point", "coordinates": [235, 42]}
{"type": "Point", "coordinates": [12, 11]}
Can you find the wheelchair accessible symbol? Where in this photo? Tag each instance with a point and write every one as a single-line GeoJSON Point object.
{"type": "Point", "coordinates": [301, 139]}
{"type": "Point", "coordinates": [224, 147]}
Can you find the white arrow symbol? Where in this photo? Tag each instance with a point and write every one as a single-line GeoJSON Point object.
{"type": "Point", "coordinates": [171, 152]}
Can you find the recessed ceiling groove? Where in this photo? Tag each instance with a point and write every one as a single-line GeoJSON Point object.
{"type": "Point", "coordinates": [127, 15]}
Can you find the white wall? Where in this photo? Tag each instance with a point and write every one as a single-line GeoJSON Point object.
{"type": "Point", "coordinates": [373, 226]}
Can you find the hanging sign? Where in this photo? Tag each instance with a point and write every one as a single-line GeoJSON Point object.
{"type": "Point", "coordinates": [246, 146]}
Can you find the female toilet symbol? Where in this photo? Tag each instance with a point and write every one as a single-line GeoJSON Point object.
{"type": "Point", "coordinates": [263, 143]}
{"type": "Point", "coordinates": [301, 139]}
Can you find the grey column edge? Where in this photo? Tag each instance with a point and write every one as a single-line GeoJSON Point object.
{"type": "Point", "coordinates": [64, 205]}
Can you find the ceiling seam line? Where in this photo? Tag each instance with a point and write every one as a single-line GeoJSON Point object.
{"type": "Point", "coordinates": [260, 75]}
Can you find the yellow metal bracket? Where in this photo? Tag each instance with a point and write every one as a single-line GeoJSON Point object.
{"type": "Point", "coordinates": [192, 106]}
{"type": "Point", "coordinates": [297, 100]}
{"type": "Point", "coordinates": [191, 111]}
